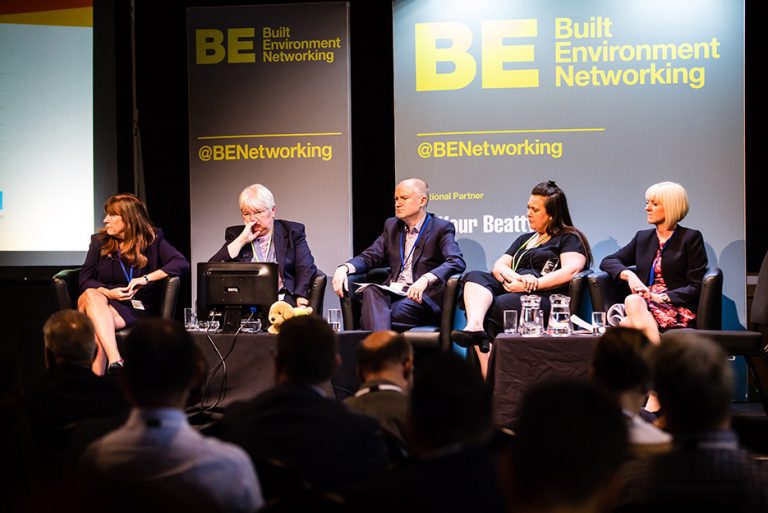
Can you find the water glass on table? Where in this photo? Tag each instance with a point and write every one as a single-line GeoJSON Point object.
{"type": "Point", "coordinates": [510, 321]}
{"type": "Point", "coordinates": [190, 319]}
{"type": "Point", "coordinates": [598, 323]}
{"type": "Point", "coordinates": [334, 319]}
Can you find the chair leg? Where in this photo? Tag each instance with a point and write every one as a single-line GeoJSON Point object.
{"type": "Point", "coordinates": [755, 375]}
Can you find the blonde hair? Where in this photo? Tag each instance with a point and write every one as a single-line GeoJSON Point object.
{"type": "Point", "coordinates": [673, 198]}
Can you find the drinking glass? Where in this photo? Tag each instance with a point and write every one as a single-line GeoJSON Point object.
{"type": "Point", "coordinates": [598, 323]}
{"type": "Point", "coordinates": [334, 319]}
{"type": "Point", "coordinates": [190, 319]}
{"type": "Point", "coordinates": [510, 321]}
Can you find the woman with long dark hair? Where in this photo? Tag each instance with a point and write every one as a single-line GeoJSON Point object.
{"type": "Point", "coordinates": [117, 280]}
{"type": "Point", "coordinates": [540, 262]}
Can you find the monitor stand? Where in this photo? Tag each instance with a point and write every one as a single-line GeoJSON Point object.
{"type": "Point", "coordinates": [231, 319]}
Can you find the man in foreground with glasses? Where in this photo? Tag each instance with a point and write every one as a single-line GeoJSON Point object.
{"type": "Point", "coordinates": [262, 238]}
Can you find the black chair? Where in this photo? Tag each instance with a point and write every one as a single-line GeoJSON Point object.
{"type": "Point", "coordinates": [66, 286]}
{"type": "Point", "coordinates": [605, 292]}
{"type": "Point", "coordinates": [317, 292]}
{"type": "Point", "coordinates": [752, 344]}
{"type": "Point", "coordinates": [420, 337]}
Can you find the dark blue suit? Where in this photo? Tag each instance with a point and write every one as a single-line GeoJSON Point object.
{"type": "Point", "coordinates": [436, 252]}
{"type": "Point", "coordinates": [105, 271]}
{"type": "Point", "coordinates": [295, 262]}
{"type": "Point", "coordinates": [683, 263]}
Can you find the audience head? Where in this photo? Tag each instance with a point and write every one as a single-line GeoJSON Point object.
{"type": "Point", "coordinates": [571, 440]}
{"type": "Point", "coordinates": [556, 207]}
{"type": "Point", "coordinates": [672, 197]}
{"type": "Point", "coordinates": [385, 354]}
{"type": "Point", "coordinates": [620, 361]}
{"type": "Point", "coordinates": [162, 364]}
{"type": "Point", "coordinates": [127, 221]}
{"type": "Point", "coordinates": [307, 351]}
{"type": "Point", "coordinates": [69, 339]}
{"type": "Point", "coordinates": [450, 404]}
{"type": "Point", "coordinates": [694, 383]}
{"type": "Point", "coordinates": [411, 199]}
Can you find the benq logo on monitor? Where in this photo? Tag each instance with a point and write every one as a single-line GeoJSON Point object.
{"type": "Point", "coordinates": [236, 290]}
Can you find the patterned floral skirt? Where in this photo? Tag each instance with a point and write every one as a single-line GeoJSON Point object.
{"type": "Point", "coordinates": [666, 314]}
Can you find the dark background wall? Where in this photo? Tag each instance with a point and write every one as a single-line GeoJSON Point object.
{"type": "Point", "coordinates": [161, 94]}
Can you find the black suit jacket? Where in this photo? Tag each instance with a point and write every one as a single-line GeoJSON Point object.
{"type": "Point", "coordinates": [328, 445]}
{"type": "Point", "coordinates": [683, 262]}
{"type": "Point", "coordinates": [295, 262]}
{"type": "Point", "coordinates": [436, 252]}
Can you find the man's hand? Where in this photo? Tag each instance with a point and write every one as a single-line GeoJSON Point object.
{"type": "Point", "coordinates": [416, 290]}
{"type": "Point", "coordinates": [340, 283]}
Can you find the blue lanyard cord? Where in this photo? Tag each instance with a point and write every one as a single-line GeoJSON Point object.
{"type": "Point", "coordinates": [653, 263]}
{"type": "Point", "coordinates": [403, 258]}
{"type": "Point", "coordinates": [128, 277]}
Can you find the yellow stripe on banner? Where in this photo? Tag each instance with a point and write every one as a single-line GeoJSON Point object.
{"type": "Point", "coordinates": [259, 136]}
{"type": "Point", "coordinates": [80, 17]}
{"type": "Point", "coordinates": [525, 131]}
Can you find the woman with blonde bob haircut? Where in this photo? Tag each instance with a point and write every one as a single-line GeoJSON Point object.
{"type": "Point", "coordinates": [117, 280]}
{"type": "Point", "coordinates": [670, 262]}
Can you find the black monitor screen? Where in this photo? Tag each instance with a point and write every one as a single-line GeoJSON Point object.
{"type": "Point", "coordinates": [227, 285]}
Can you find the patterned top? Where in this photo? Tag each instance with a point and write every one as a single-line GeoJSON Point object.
{"type": "Point", "coordinates": [666, 314]}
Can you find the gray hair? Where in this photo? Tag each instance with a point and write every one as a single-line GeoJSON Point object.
{"type": "Point", "coordinates": [256, 197]}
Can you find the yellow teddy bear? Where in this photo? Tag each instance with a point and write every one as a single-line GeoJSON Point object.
{"type": "Point", "coordinates": [281, 311]}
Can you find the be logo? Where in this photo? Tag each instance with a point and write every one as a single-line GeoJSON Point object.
{"type": "Point", "coordinates": [443, 61]}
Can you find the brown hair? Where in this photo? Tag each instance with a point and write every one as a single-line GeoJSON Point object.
{"type": "Point", "coordinates": [139, 233]}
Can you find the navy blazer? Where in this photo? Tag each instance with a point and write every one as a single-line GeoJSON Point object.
{"type": "Point", "coordinates": [295, 262]}
{"type": "Point", "coordinates": [683, 262]}
{"type": "Point", "coordinates": [105, 271]}
{"type": "Point", "coordinates": [436, 252]}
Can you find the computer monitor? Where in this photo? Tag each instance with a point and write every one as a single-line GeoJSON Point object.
{"type": "Point", "coordinates": [234, 290]}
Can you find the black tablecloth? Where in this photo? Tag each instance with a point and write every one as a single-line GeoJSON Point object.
{"type": "Point", "coordinates": [519, 362]}
{"type": "Point", "coordinates": [248, 367]}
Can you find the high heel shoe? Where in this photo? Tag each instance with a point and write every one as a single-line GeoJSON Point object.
{"type": "Point", "coordinates": [114, 368]}
{"type": "Point", "coordinates": [464, 338]}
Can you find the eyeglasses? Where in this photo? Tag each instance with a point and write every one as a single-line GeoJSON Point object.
{"type": "Point", "coordinates": [256, 213]}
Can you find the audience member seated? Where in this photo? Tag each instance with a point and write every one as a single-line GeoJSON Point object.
{"type": "Point", "coordinates": [265, 239]}
{"type": "Point", "coordinates": [385, 365]}
{"type": "Point", "coordinates": [706, 470]}
{"type": "Point", "coordinates": [540, 262]}
{"type": "Point", "coordinates": [156, 460]}
{"type": "Point", "coordinates": [450, 426]}
{"type": "Point", "coordinates": [570, 445]}
{"type": "Point", "coordinates": [19, 465]}
{"type": "Point", "coordinates": [670, 261]}
{"type": "Point", "coordinates": [317, 437]}
{"type": "Point", "coordinates": [421, 252]}
{"type": "Point", "coordinates": [116, 280]}
{"type": "Point", "coordinates": [68, 392]}
{"type": "Point", "coordinates": [620, 366]}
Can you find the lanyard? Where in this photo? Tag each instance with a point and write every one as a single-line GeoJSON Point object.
{"type": "Point", "coordinates": [403, 258]}
{"type": "Point", "coordinates": [259, 257]}
{"type": "Point", "coordinates": [526, 246]}
{"type": "Point", "coordinates": [662, 247]}
{"type": "Point", "coordinates": [128, 277]}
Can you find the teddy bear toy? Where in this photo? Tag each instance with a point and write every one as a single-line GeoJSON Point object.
{"type": "Point", "coordinates": [281, 311]}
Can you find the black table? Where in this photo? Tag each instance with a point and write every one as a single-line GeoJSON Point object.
{"type": "Point", "coordinates": [248, 367]}
{"type": "Point", "coordinates": [518, 362]}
